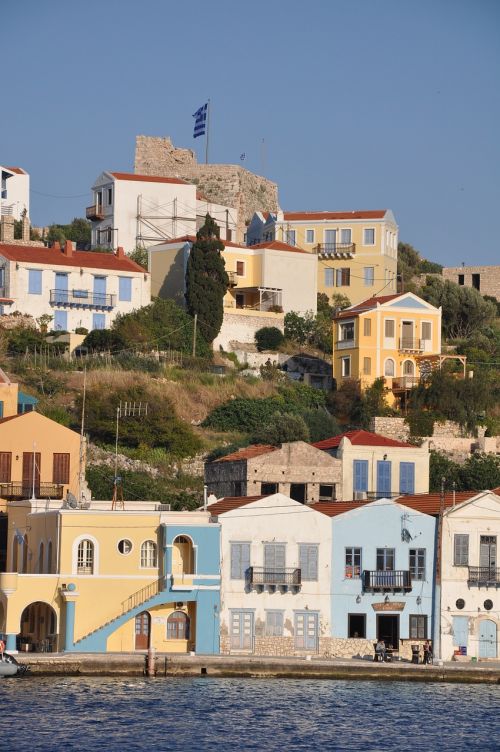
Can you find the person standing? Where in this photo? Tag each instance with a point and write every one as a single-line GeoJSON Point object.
{"type": "Point", "coordinates": [427, 652]}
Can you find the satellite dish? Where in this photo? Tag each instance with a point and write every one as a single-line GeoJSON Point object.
{"type": "Point", "coordinates": [71, 500]}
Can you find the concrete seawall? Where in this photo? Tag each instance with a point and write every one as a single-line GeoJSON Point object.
{"type": "Point", "coordinates": [254, 667]}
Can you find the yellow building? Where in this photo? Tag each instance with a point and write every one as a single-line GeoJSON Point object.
{"type": "Point", "coordinates": [84, 577]}
{"type": "Point", "coordinates": [356, 251]}
{"type": "Point", "coordinates": [390, 336]}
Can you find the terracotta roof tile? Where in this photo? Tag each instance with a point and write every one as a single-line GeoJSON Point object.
{"type": "Point", "coordinates": [319, 215]}
{"type": "Point", "coordinates": [147, 178]}
{"type": "Point", "coordinates": [277, 245]}
{"type": "Point", "coordinates": [192, 238]}
{"type": "Point", "coordinates": [19, 170]}
{"type": "Point", "coordinates": [247, 453]}
{"type": "Point", "coordinates": [228, 503]}
{"type": "Point", "coordinates": [366, 305]}
{"type": "Point", "coordinates": [55, 257]}
{"type": "Point", "coordinates": [360, 438]}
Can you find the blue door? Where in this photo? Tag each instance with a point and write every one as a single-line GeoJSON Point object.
{"type": "Point", "coordinates": [242, 630]}
{"type": "Point", "coordinates": [487, 639]}
{"type": "Point", "coordinates": [383, 479]}
{"type": "Point", "coordinates": [61, 321]}
{"type": "Point", "coordinates": [306, 631]}
{"type": "Point", "coordinates": [61, 289]}
{"type": "Point", "coordinates": [99, 291]}
{"type": "Point", "coordinates": [460, 631]}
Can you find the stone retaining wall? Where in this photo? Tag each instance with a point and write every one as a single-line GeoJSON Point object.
{"type": "Point", "coordinates": [329, 647]}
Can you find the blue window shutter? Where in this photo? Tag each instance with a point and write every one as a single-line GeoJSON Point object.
{"type": "Point", "coordinates": [1, 409]}
{"type": "Point", "coordinates": [383, 478]}
{"type": "Point", "coordinates": [61, 321]}
{"type": "Point", "coordinates": [235, 561]}
{"type": "Point", "coordinates": [308, 561]}
{"type": "Point", "coordinates": [460, 630]}
{"type": "Point", "coordinates": [35, 281]}
{"type": "Point", "coordinates": [407, 477]}
{"type": "Point", "coordinates": [240, 560]}
{"type": "Point", "coordinates": [360, 473]}
{"type": "Point", "coordinates": [125, 288]}
{"type": "Point", "coordinates": [98, 321]}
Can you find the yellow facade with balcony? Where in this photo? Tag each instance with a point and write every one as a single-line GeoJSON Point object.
{"type": "Point", "coordinates": [394, 336]}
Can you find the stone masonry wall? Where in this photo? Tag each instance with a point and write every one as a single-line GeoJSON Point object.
{"type": "Point", "coordinates": [230, 185]}
{"type": "Point", "coordinates": [489, 278]}
{"type": "Point", "coordinates": [329, 647]}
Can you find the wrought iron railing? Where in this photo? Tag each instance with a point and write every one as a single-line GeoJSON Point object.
{"type": "Point", "coordinates": [484, 576]}
{"type": "Point", "coordinates": [411, 343]}
{"type": "Point", "coordinates": [143, 595]}
{"type": "Point", "coordinates": [336, 249]}
{"type": "Point", "coordinates": [276, 576]}
{"type": "Point", "coordinates": [392, 579]}
{"type": "Point", "coordinates": [81, 299]}
{"type": "Point", "coordinates": [25, 490]}
{"type": "Point", "coordinates": [95, 212]}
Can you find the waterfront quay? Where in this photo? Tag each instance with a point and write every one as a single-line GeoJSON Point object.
{"type": "Point", "coordinates": [181, 665]}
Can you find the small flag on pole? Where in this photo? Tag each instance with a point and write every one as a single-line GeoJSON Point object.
{"type": "Point", "coordinates": [200, 122]}
{"type": "Point", "coordinates": [243, 156]}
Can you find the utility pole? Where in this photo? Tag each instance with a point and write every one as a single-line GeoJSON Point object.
{"type": "Point", "coordinates": [194, 334]}
{"type": "Point", "coordinates": [127, 410]}
{"type": "Point", "coordinates": [208, 131]}
{"type": "Point", "coordinates": [80, 472]}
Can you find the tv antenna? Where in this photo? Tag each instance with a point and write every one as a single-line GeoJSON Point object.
{"type": "Point", "coordinates": [124, 410]}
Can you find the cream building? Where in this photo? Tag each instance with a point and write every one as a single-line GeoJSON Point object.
{"type": "Point", "coordinates": [15, 192]}
{"type": "Point", "coordinates": [356, 251]}
{"type": "Point", "coordinates": [131, 210]}
{"type": "Point", "coordinates": [470, 579]}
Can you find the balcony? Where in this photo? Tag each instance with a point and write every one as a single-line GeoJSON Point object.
{"type": "Point", "coordinates": [82, 299]}
{"type": "Point", "coordinates": [410, 344]}
{"type": "Point", "coordinates": [336, 250]}
{"type": "Point", "coordinates": [404, 383]}
{"type": "Point", "coordinates": [394, 580]}
{"type": "Point", "coordinates": [233, 279]}
{"type": "Point", "coordinates": [7, 210]}
{"type": "Point", "coordinates": [282, 577]}
{"type": "Point", "coordinates": [23, 490]}
{"type": "Point", "coordinates": [95, 212]}
{"type": "Point", "coordinates": [486, 576]}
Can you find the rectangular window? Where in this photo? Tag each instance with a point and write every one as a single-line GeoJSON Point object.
{"type": "Point", "coordinates": [308, 561]}
{"type": "Point", "coordinates": [61, 321]}
{"type": "Point", "coordinates": [369, 276]}
{"type": "Point", "coordinates": [426, 330]}
{"type": "Point", "coordinates": [367, 366]}
{"type": "Point", "coordinates": [309, 236]}
{"type": "Point", "coordinates": [298, 492]}
{"type": "Point", "coordinates": [5, 467]}
{"type": "Point", "coordinates": [389, 328]}
{"type": "Point", "coordinates": [274, 556]}
{"type": "Point", "coordinates": [345, 235]}
{"type": "Point", "coordinates": [240, 268]}
{"type": "Point", "coordinates": [274, 623]}
{"type": "Point", "coordinates": [240, 560]}
{"type": "Point", "coordinates": [268, 488]}
{"type": "Point", "coordinates": [60, 468]}
{"type": "Point", "coordinates": [329, 277]}
{"type": "Point", "coordinates": [110, 196]}
{"type": "Point", "coordinates": [35, 281]}
{"type": "Point", "coordinates": [346, 367]}
{"type": "Point", "coordinates": [418, 627]}
{"type": "Point", "coordinates": [343, 277]}
{"type": "Point", "coordinates": [290, 237]}
{"type": "Point", "coordinates": [461, 550]}
{"type": "Point", "coordinates": [385, 559]}
{"type": "Point", "coordinates": [461, 279]}
{"type": "Point", "coordinates": [476, 281]}
{"type": "Point", "coordinates": [125, 288]}
{"type": "Point", "coordinates": [98, 321]}
{"type": "Point", "coordinates": [352, 563]}
{"type": "Point", "coordinates": [367, 327]}
{"type": "Point", "coordinates": [327, 492]}
{"type": "Point", "coordinates": [356, 626]}
{"type": "Point", "coordinates": [369, 236]}
{"type": "Point", "coordinates": [417, 563]}
{"type": "Point", "coordinates": [407, 477]}
{"type": "Point", "coordinates": [360, 475]}
{"type": "Point", "coordinates": [346, 331]}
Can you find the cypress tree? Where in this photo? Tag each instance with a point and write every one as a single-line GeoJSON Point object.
{"type": "Point", "coordinates": [207, 280]}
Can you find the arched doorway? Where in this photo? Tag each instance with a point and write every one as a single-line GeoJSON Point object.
{"type": "Point", "coordinates": [178, 626]}
{"type": "Point", "coordinates": [487, 639]}
{"type": "Point", "coordinates": [142, 630]}
{"type": "Point", "coordinates": [38, 628]}
{"type": "Point", "coordinates": [182, 555]}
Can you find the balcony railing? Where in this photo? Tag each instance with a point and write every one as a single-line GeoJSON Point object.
{"type": "Point", "coordinates": [402, 383]}
{"type": "Point", "coordinates": [393, 579]}
{"type": "Point", "coordinates": [411, 344]}
{"type": "Point", "coordinates": [264, 576]}
{"type": "Point", "coordinates": [25, 490]}
{"type": "Point", "coordinates": [342, 250]}
{"type": "Point", "coordinates": [484, 576]}
{"type": "Point", "coordinates": [95, 212]}
{"type": "Point", "coordinates": [7, 210]}
{"type": "Point", "coordinates": [82, 299]}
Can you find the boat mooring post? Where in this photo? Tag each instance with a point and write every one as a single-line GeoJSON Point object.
{"type": "Point", "coordinates": [150, 663]}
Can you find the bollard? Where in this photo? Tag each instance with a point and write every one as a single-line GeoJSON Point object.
{"type": "Point", "coordinates": [151, 662]}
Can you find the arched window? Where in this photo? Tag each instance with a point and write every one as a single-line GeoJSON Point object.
{"type": "Point", "coordinates": [389, 367]}
{"type": "Point", "coordinates": [49, 558]}
{"type": "Point", "coordinates": [178, 626]}
{"type": "Point", "coordinates": [85, 560]}
{"type": "Point", "coordinates": [41, 552]}
{"type": "Point", "coordinates": [408, 368]}
{"type": "Point", "coordinates": [149, 555]}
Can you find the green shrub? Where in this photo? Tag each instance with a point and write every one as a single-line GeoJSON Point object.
{"type": "Point", "coordinates": [282, 427]}
{"type": "Point", "coordinates": [57, 413]}
{"type": "Point", "coordinates": [268, 338]}
{"type": "Point", "coordinates": [421, 423]}
{"type": "Point", "coordinates": [103, 339]}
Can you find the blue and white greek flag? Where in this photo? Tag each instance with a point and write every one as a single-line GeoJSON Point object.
{"type": "Point", "coordinates": [200, 124]}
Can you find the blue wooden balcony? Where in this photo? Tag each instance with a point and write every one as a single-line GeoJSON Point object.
{"type": "Point", "coordinates": [82, 299]}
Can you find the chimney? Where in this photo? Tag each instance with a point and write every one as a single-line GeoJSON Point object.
{"type": "Point", "coordinates": [25, 228]}
{"type": "Point", "coordinates": [68, 248]}
{"type": "Point", "coordinates": [7, 228]}
{"type": "Point", "coordinates": [56, 246]}
{"type": "Point", "coordinates": [120, 253]}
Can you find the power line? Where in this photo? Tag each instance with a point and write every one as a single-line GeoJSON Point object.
{"type": "Point", "coordinates": [52, 195]}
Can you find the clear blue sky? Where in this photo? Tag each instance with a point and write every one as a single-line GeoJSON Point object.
{"type": "Point", "coordinates": [362, 104]}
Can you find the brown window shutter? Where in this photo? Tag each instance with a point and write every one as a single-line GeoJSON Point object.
{"type": "Point", "coordinates": [5, 467]}
{"type": "Point", "coordinates": [60, 473]}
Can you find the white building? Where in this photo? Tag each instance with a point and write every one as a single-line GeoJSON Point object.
{"type": "Point", "coordinates": [76, 288]}
{"type": "Point", "coordinates": [15, 192]}
{"type": "Point", "coordinates": [138, 210]}
{"type": "Point", "coordinates": [275, 576]}
{"type": "Point", "coordinates": [470, 578]}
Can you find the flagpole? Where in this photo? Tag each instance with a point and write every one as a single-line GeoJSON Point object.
{"type": "Point", "coordinates": [208, 131]}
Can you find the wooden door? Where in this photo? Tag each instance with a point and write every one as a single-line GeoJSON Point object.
{"type": "Point", "coordinates": [28, 473]}
{"type": "Point", "coordinates": [142, 630]}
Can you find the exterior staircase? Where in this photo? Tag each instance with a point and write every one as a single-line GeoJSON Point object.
{"type": "Point", "coordinates": [151, 595]}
